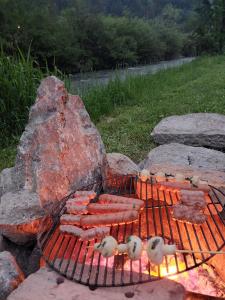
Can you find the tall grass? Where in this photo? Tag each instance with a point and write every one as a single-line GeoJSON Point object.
{"type": "Point", "coordinates": [101, 100]}
{"type": "Point", "coordinates": [19, 78]}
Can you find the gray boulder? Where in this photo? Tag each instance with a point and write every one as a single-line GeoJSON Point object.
{"type": "Point", "coordinates": [10, 274]}
{"type": "Point", "coordinates": [199, 129]}
{"type": "Point", "coordinates": [20, 216]}
{"type": "Point", "coordinates": [176, 158]}
{"type": "Point", "coordinates": [177, 154]}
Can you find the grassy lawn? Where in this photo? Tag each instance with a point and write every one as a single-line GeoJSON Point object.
{"type": "Point", "coordinates": [196, 87]}
{"type": "Point", "coordinates": [126, 112]}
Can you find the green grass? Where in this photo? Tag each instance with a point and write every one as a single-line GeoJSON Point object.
{"type": "Point", "coordinates": [196, 87]}
{"type": "Point", "coordinates": [126, 112]}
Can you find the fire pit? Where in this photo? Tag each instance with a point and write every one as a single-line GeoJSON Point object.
{"type": "Point", "coordinates": [77, 261]}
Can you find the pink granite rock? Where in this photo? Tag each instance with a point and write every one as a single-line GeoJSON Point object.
{"type": "Point", "coordinates": [10, 274]}
{"type": "Point", "coordinates": [46, 284]}
{"type": "Point", "coordinates": [119, 164]}
{"type": "Point", "coordinates": [59, 151]}
{"type": "Point", "coordinates": [116, 166]}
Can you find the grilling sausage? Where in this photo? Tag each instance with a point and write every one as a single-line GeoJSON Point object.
{"type": "Point", "coordinates": [69, 229]}
{"type": "Point", "coordinates": [70, 220]}
{"type": "Point", "coordinates": [110, 219]}
{"type": "Point", "coordinates": [77, 209]}
{"type": "Point", "coordinates": [107, 198]}
{"type": "Point", "coordinates": [96, 208]}
{"type": "Point", "coordinates": [83, 200]}
{"type": "Point", "coordinates": [90, 194]}
{"type": "Point", "coordinates": [98, 232]}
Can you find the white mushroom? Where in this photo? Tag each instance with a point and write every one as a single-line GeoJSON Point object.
{"type": "Point", "coordinates": [160, 176]}
{"type": "Point", "coordinates": [97, 247]}
{"type": "Point", "coordinates": [122, 248]}
{"type": "Point", "coordinates": [180, 177]}
{"type": "Point", "coordinates": [195, 180]}
{"type": "Point", "coordinates": [134, 244]}
{"type": "Point", "coordinates": [155, 250]}
{"type": "Point", "coordinates": [144, 175]}
{"type": "Point", "coordinates": [107, 247]}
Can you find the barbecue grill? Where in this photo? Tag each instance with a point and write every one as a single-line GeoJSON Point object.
{"type": "Point", "coordinates": [77, 261]}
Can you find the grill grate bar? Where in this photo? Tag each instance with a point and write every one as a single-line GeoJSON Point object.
{"type": "Point", "coordinates": [170, 229]}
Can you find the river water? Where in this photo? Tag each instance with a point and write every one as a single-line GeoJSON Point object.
{"type": "Point", "coordinates": [83, 81]}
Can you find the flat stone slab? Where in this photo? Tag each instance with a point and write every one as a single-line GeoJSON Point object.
{"type": "Point", "coordinates": [199, 129]}
{"type": "Point", "coordinates": [47, 284]}
{"type": "Point", "coordinates": [174, 158]}
{"type": "Point", "coordinates": [182, 155]}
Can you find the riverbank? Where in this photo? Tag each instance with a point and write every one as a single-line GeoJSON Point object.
{"type": "Point", "coordinates": [126, 127]}
{"type": "Point", "coordinates": [125, 112]}
{"type": "Point", "coordinates": [83, 81]}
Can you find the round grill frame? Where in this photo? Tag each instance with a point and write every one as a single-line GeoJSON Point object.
{"type": "Point", "coordinates": [55, 246]}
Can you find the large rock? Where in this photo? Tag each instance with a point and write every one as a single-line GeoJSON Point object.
{"type": "Point", "coordinates": [200, 129]}
{"type": "Point", "coordinates": [10, 274]}
{"type": "Point", "coordinates": [176, 158]}
{"type": "Point", "coordinates": [119, 164]}
{"type": "Point", "coordinates": [20, 216]}
{"type": "Point", "coordinates": [177, 154]}
{"type": "Point", "coordinates": [60, 148]}
{"type": "Point", "coordinates": [6, 181]}
{"type": "Point", "coordinates": [43, 285]}
{"type": "Point", "coordinates": [59, 151]}
{"type": "Point", "coordinates": [28, 258]}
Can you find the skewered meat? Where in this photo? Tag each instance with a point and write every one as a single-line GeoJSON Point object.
{"type": "Point", "coordinates": [188, 214]}
{"type": "Point", "coordinates": [107, 198]}
{"type": "Point", "coordinates": [69, 229]}
{"type": "Point", "coordinates": [109, 219]}
{"type": "Point", "coordinates": [70, 220]}
{"type": "Point", "coordinates": [98, 232]}
{"type": "Point", "coordinates": [96, 208]}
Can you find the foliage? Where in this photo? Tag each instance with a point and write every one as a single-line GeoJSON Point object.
{"type": "Point", "coordinates": [84, 35]}
{"type": "Point", "coordinates": [210, 28]}
{"type": "Point", "coordinates": [19, 79]}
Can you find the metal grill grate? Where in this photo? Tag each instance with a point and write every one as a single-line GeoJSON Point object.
{"type": "Point", "coordinates": [77, 261]}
